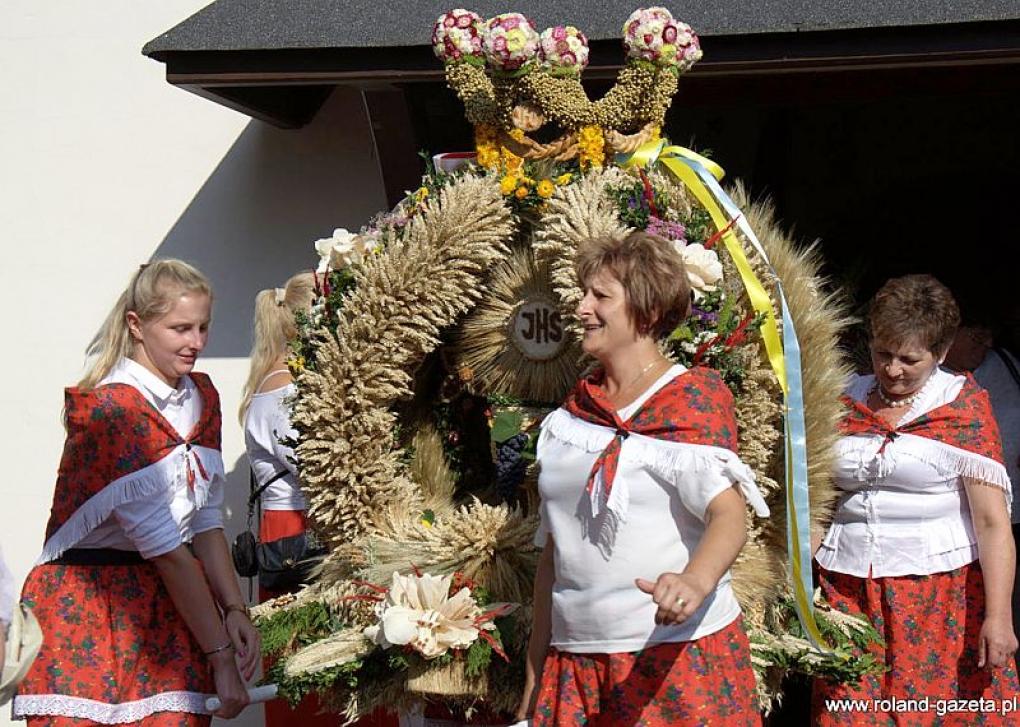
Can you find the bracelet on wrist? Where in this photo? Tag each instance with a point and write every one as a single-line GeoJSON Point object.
{"type": "Point", "coordinates": [239, 607]}
{"type": "Point", "coordinates": [218, 649]}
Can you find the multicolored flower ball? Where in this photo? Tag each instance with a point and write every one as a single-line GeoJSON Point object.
{"type": "Point", "coordinates": [509, 41]}
{"type": "Point", "coordinates": [457, 35]}
{"type": "Point", "coordinates": [563, 49]}
{"type": "Point", "coordinates": [651, 34]}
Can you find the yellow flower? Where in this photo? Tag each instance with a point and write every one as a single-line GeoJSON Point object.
{"type": "Point", "coordinates": [521, 192]}
{"type": "Point", "coordinates": [488, 157]}
{"type": "Point", "coordinates": [564, 178]}
{"type": "Point", "coordinates": [592, 145]}
{"type": "Point", "coordinates": [421, 194]}
{"type": "Point", "coordinates": [515, 40]}
{"type": "Point", "coordinates": [517, 134]}
{"type": "Point", "coordinates": [545, 189]}
{"type": "Point", "coordinates": [513, 162]}
{"type": "Point", "coordinates": [508, 184]}
{"type": "Point", "coordinates": [296, 364]}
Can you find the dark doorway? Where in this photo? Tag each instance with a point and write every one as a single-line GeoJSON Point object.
{"type": "Point", "coordinates": [892, 170]}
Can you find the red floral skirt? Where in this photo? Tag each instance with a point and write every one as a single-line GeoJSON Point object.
{"type": "Point", "coordinates": [115, 650]}
{"type": "Point", "coordinates": [691, 683]}
{"type": "Point", "coordinates": [930, 625]}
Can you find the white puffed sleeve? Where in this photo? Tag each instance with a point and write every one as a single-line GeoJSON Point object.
{"type": "Point", "coordinates": [698, 472]}
{"type": "Point", "coordinates": [210, 516]}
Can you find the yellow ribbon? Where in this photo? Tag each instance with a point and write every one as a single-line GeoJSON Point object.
{"type": "Point", "coordinates": [653, 151]}
{"type": "Point", "coordinates": [670, 157]}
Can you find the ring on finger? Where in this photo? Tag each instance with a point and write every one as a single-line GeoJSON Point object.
{"type": "Point", "coordinates": [680, 602]}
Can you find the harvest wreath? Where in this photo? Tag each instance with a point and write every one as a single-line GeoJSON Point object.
{"type": "Point", "coordinates": [445, 330]}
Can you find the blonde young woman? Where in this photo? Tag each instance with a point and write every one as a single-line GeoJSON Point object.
{"type": "Point", "coordinates": [135, 591]}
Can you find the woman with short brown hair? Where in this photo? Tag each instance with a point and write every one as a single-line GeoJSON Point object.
{"type": "Point", "coordinates": [643, 512]}
{"type": "Point", "coordinates": [920, 542]}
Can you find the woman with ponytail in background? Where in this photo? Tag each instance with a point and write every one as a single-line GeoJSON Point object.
{"type": "Point", "coordinates": [265, 414]}
{"type": "Point", "coordinates": [141, 613]}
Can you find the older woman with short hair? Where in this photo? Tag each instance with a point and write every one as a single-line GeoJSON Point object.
{"type": "Point", "coordinates": [642, 515]}
{"type": "Point", "coordinates": [920, 542]}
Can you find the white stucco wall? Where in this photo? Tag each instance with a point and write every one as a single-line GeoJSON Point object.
{"type": "Point", "coordinates": [105, 166]}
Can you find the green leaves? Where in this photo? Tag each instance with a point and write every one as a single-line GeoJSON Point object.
{"type": "Point", "coordinates": [506, 424]}
{"type": "Point", "coordinates": [290, 628]}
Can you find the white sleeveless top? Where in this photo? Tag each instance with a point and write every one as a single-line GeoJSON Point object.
{"type": "Point", "coordinates": [266, 422]}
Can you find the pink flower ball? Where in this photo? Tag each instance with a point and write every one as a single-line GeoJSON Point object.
{"type": "Point", "coordinates": [456, 34]}
{"type": "Point", "coordinates": [509, 41]}
{"type": "Point", "coordinates": [649, 30]}
{"type": "Point", "coordinates": [563, 50]}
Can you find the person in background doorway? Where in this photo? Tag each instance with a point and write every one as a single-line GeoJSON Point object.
{"type": "Point", "coordinates": [997, 371]}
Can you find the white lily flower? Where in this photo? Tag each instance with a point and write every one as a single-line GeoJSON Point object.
{"type": "Point", "coordinates": [332, 250]}
{"type": "Point", "coordinates": [418, 611]}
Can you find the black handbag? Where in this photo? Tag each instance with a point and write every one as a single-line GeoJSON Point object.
{"type": "Point", "coordinates": [288, 562]}
{"type": "Point", "coordinates": [280, 564]}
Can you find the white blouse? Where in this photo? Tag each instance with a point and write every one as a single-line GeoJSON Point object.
{"type": "Point", "coordinates": [266, 422]}
{"type": "Point", "coordinates": [904, 510]}
{"type": "Point", "coordinates": [156, 525]}
{"type": "Point", "coordinates": [667, 486]}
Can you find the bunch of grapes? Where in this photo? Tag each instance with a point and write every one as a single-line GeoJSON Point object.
{"type": "Point", "coordinates": [511, 465]}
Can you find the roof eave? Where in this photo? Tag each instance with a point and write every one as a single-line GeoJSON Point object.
{"type": "Point", "coordinates": [285, 87]}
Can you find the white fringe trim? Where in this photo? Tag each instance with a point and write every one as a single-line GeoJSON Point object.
{"type": "Point", "coordinates": [862, 449]}
{"type": "Point", "coordinates": [165, 477]}
{"type": "Point", "coordinates": [676, 462]}
{"type": "Point", "coordinates": [32, 705]}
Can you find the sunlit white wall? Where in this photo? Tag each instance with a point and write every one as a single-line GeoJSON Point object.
{"type": "Point", "coordinates": [104, 166]}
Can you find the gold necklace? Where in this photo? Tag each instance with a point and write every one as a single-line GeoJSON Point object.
{"type": "Point", "coordinates": [640, 375]}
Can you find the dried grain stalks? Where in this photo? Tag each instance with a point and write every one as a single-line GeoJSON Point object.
{"type": "Point", "coordinates": [484, 345]}
{"type": "Point", "coordinates": [351, 466]}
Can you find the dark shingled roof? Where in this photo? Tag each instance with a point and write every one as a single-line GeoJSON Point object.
{"type": "Point", "coordinates": [236, 25]}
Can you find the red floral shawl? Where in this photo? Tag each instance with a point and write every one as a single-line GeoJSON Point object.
{"type": "Point", "coordinates": [966, 423]}
{"type": "Point", "coordinates": [112, 432]}
{"type": "Point", "coordinates": [694, 408]}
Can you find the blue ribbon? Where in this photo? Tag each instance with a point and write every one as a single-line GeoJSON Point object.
{"type": "Point", "coordinates": [798, 505]}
